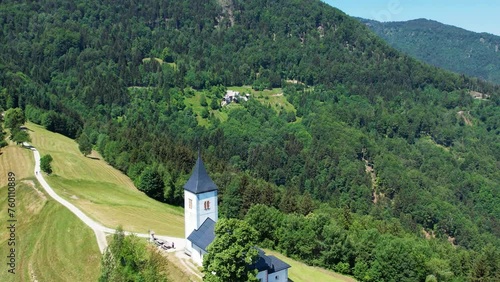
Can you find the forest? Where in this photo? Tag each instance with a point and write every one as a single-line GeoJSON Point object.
{"type": "Point", "coordinates": [444, 46]}
{"type": "Point", "coordinates": [382, 167]}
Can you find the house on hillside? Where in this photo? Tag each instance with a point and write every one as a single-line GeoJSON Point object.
{"type": "Point", "coordinates": [233, 96]}
{"type": "Point", "coordinates": [200, 216]}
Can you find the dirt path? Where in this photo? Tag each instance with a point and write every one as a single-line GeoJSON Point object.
{"type": "Point", "coordinates": [99, 230]}
{"type": "Point", "coordinates": [463, 115]}
{"type": "Point", "coordinates": [369, 169]}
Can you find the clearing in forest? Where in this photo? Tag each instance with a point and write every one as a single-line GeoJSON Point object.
{"type": "Point", "coordinates": [273, 97]}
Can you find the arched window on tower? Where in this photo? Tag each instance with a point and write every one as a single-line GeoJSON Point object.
{"type": "Point", "coordinates": [206, 205]}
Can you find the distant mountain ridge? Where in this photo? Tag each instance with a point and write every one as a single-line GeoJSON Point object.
{"type": "Point", "coordinates": [445, 46]}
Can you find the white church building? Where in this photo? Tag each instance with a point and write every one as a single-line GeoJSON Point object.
{"type": "Point", "coordinates": [200, 216]}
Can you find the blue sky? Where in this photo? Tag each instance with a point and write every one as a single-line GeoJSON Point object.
{"type": "Point", "coordinates": [474, 15]}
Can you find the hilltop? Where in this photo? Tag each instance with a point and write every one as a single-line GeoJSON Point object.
{"type": "Point", "coordinates": [444, 46]}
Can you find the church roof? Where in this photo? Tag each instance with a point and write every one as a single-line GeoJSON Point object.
{"type": "Point", "coordinates": [270, 263]}
{"type": "Point", "coordinates": [203, 236]}
{"type": "Point", "coordinates": [200, 182]}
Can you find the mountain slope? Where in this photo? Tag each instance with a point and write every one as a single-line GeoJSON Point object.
{"type": "Point", "coordinates": [52, 244]}
{"type": "Point", "coordinates": [445, 46]}
{"type": "Point", "coordinates": [138, 79]}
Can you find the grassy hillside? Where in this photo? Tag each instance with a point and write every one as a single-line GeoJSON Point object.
{"type": "Point", "coordinates": [273, 98]}
{"type": "Point", "coordinates": [445, 46]}
{"type": "Point", "coordinates": [17, 160]}
{"type": "Point", "coordinates": [52, 244]}
{"type": "Point", "coordinates": [101, 191]}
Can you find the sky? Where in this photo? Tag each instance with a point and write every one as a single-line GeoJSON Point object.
{"type": "Point", "coordinates": [473, 15]}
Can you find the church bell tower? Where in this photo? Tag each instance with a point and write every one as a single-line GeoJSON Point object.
{"type": "Point", "coordinates": [200, 198]}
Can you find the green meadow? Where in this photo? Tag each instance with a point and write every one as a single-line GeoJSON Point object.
{"type": "Point", "coordinates": [102, 192]}
{"type": "Point", "coordinates": [273, 98]}
{"type": "Point", "coordinates": [51, 243]}
{"type": "Point", "coordinates": [17, 160]}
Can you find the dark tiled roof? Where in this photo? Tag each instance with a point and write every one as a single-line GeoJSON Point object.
{"type": "Point", "coordinates": [270, 263]}
{"type": "Point", "coordinates": [200, 182]}
{"type": "Point", "coordinates": [203, 236]}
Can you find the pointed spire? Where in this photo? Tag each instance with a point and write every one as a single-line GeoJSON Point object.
{"type": "Point", "coordinates": [200, 182]}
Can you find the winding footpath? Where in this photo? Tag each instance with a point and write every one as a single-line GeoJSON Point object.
{"type": "Point", "coordinates": [99, 230]}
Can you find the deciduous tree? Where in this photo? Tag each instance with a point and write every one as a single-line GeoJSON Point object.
{"type": "Point", "coordinates": [84, 144]}
{"type": "Point", "coordinates": [231, 253]}
{"type": "Point", "coordinates": [129, 259]}
{"type": "Point", "coordinates": [203, 100]}
{"type": "Point", "coordinates": [266, 220]}
{"type": "Point", "coordinates": [45, 164]}
{"type": "Point", "coordinates": [151, 183]}
{"type": "Point", "coordinates": [20, 136]}
{"type": "Point", "coordinates": [214, 104]}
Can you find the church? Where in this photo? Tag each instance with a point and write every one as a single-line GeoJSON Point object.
{"type": "Point", "coordinates": [200, 216]}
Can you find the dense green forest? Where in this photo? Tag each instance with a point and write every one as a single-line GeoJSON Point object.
{"type": "Point", "coordinates": [381, 167]}
{"type": "Point", "coordinates": [444, 46]}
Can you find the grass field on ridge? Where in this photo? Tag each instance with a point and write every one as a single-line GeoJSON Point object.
{"type": "Point", "coordinates": [101, 191]}
{"type": "Point", "coordinates": [15, 159]}
{"type": "Point", "coordinates": [52, 244]}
